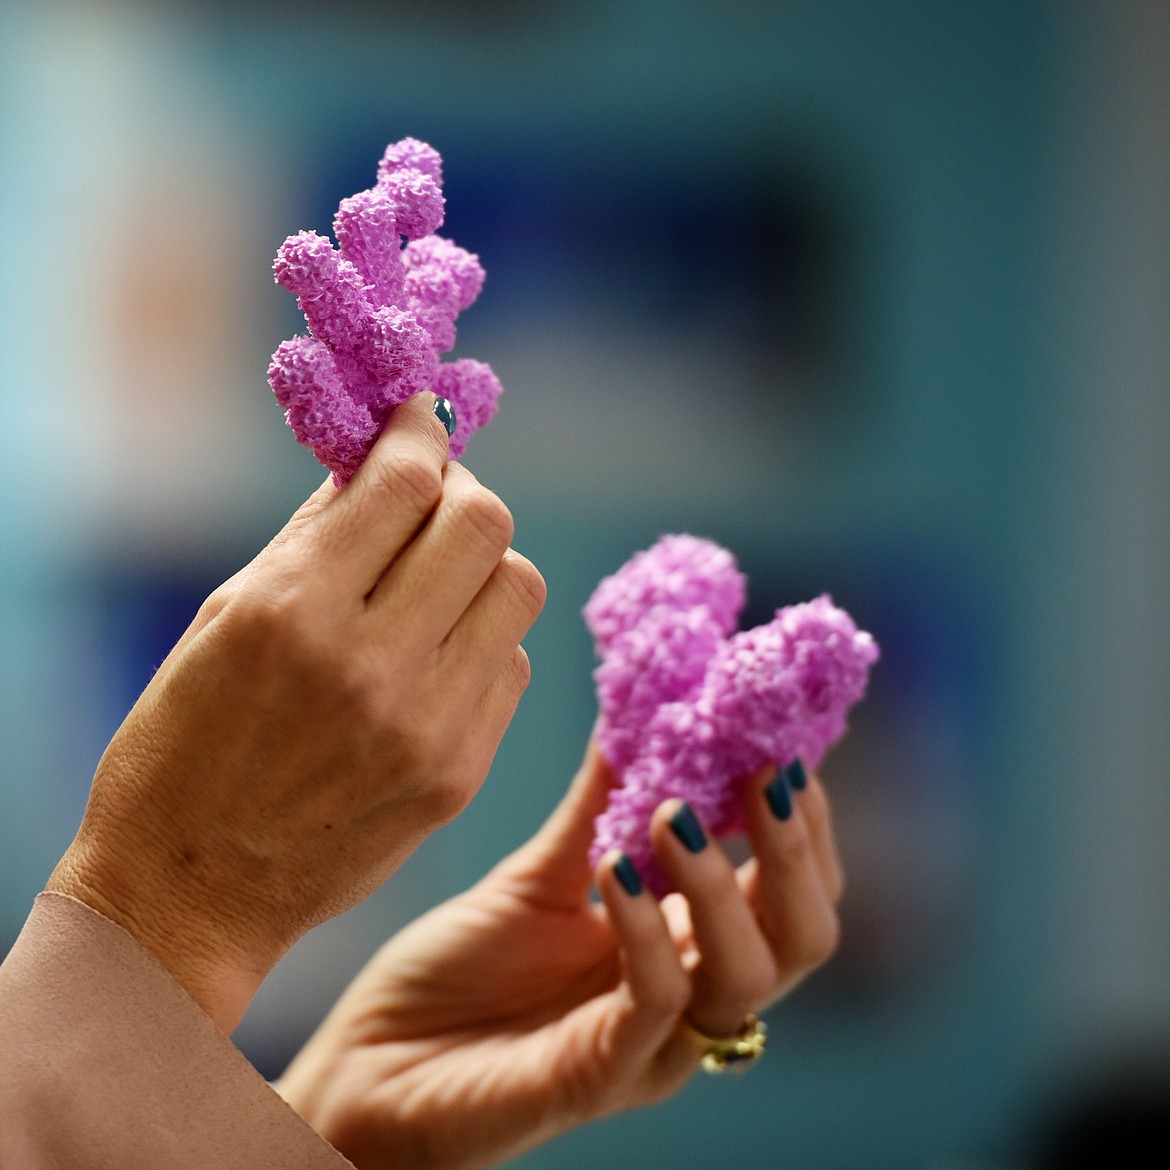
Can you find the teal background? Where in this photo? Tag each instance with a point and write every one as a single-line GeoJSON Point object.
{"type": "Point", "coordinates": [874, 293]}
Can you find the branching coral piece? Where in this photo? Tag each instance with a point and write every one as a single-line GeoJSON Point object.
{"type": "Point", "coordinates": [689, 708]}
{"type": "Point", "coordinates": [379, 315]}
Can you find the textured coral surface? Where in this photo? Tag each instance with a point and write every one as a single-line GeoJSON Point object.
{"type": "Point", "coordinates": [380, 314]}
{"type": "Point", "coordinates": [689, 707]}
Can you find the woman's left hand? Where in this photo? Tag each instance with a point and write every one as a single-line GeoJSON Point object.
{"type": "Point", "coordinates": [521, 1008]}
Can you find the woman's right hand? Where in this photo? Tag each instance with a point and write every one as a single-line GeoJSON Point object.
{"type": "Point", "coordinates": [522, 1008]}
{"type": "Point", "coordinates": [333, 703]}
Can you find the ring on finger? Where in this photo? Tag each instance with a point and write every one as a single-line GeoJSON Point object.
{"type": "Point", "coordinates": [734, 1053]}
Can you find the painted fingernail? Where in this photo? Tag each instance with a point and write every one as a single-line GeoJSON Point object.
{"type": "Point", "coordinates": [778, 794]}
{"type": "Point", "coordinates": [445, 413]}
{"type": "Point", "coordinates": [685, 826]}
{"type": "Point", "coordinates": [627, 876]}
{"type": "Point", "coordinates": [797, 776]}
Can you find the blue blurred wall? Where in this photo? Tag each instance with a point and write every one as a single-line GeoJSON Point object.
{"type": "Point", "coordinates": [804, 277]}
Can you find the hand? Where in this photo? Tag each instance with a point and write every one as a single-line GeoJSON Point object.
{"type": "Point", "coordinates": [330, 705]}
{"type": "Point", "coordinates": [520, 1009]}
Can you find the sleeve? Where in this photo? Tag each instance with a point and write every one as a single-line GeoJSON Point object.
{"type": "Point", "coordinates": [106, 1063]}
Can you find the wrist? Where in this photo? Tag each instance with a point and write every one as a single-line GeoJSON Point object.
{"type": "Point", "coordinates": [219, 975]}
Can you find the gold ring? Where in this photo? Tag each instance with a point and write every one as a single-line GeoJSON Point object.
{"type": "Point", "coordinates": [737, 1052]}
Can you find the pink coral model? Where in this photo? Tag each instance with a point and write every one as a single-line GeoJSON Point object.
{"type": "Point", "coordinates": [689, 708]}
{"type": "Point", "coordinates": [379, 314]}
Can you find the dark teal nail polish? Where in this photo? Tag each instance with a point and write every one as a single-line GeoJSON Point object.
{"type": "Point", "coordinates": [627, 876]}
{"type": "Point", "coordinates": [797, 776]}
{"type": "Point", "coordinates": [687, 829]}
{"type": "Point", "coordinates": [778, 794]}
{"type": "Point", "coordinates": [445, 413]}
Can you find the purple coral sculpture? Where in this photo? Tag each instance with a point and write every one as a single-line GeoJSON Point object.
{"type": "Point", "coordinates": [380, 314]}
{"type": "Point", "coordinates": [690, 708]}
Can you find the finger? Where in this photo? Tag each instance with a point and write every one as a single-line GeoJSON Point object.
{"type": "Point", "coordinates": [805, 789]}
{"type": "Point", "coordinates": [297, 523]}
{"type": "Point", "coordinates": [441, 571]}
{"type": "Point", "coordinates": [786, 884]}
{"type": "Point", "coordinates": [390, 498]}
{"type": "Point", "coordinates": [494, 622]}
{"type": "Point", "coordinates": [735, 972]}
{"type": "Point", "coordinates": [480, 731]}
{"type": "Point", "coordinates": [304, 515]}
{"type": "Point", "coordinates": [655, 988]}
{"type": "Point", "coordinates": [814, 805]}
{"type": "Point", "coordinates": [555, 861]}
{"type": "Point", "coordinates": [498, 703]}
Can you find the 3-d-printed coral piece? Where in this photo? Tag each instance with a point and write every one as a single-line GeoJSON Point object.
{"type": "Point", "coordinates": [690, 708]}
{"type": "Point", "coordinates": [380, 314]}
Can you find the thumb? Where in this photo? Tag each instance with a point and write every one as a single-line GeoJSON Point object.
{"type": "Point", "coordinates": [301, 518]}
{"type": "Point", "coordinates": [557, 858]}
{"type": "Point", "coordinates": [304, 515]}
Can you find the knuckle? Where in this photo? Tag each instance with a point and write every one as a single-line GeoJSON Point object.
{"type": "Point", "coordinates": [214, 604]}
{"type": "Point", "coordinates": [278, 627]}
{"type": "Point", "coordinates": [418, 745]}
{"type": "Point", "coordinates": [798, 844]}
{"type": "Point", "coordinates": [486, 516]}
{"type": "Point", "coordinates": [409, 476]}
{"type": "Point", "coordinates": [446, 797]}
{"type": "Point", "coordinates": [450, 800]}
{"type": "Point", "coordinates": [819, 940]}
{"type": "Point", "coordinates": [520, 669]}
{"type": "Point", "coordinates": [259, 616]}
{"type": "Point", "coordinates": [526, 582]}
{"type": "Point", "coordinates": [425, 747]}
{"type": "Point", "coordinates": [670, 996]}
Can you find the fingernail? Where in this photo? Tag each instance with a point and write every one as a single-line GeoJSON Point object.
{"type": "Point", "coordinates": [797, 776]}
{"type": "Point", "coordinates": [445, 413]}
{"type": "Point", "coordinates": [685, 826]}
{"type": "Point", "coordinates": [778, 794]}
{"type": "Point", "coordinates": [627, 876]}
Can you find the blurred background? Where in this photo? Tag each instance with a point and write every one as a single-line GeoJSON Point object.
{"type": "Point", "coordinates": [877, 294]}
